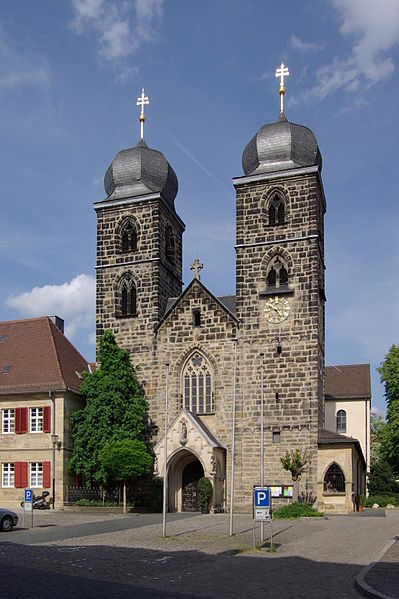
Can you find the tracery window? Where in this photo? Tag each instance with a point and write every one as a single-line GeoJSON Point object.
{"type": "Point", "coordinates": [197, 384]}
{"type": "Point", "coordinates": [277, 276]}
{"type": "Point", "coordinates": [129, 238]}
{"type": "Point", "coordinates": [276, 211]}
{"type": "Point", "coordinates": [128, 297]}
{"type": "Point", "coordinates": [334, 480]}
{"type": "Point", "coordinates": [341, 421]}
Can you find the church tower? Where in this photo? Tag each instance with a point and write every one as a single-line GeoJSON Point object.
{"type": "Point", "coordinates": [280, 208]}
{"type": "Point", "coordinates": [139, 247]}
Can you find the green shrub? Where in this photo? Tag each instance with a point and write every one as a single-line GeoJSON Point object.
{"type": "Point", "coordinates": [382, 500]}
{"type": "Point", "coordinates": [205, 492]}
{"type": "Point", "coordinates": [96, 503]}
{"type": "Point", "coordinates": [296, 510]}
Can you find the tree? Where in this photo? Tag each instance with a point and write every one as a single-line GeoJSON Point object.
{"type": "Point", "coordinates": [295, 462]}
{"type": "Point", "coordinates": [382, 480]}
{"type": "Point", "coordinates": [389, 372]}
{"type": "Point", "coordinates": [377, 425]}
{"type": "Point", "coordinates": [124, 460]}
{"type": "Point", "coordinates": [115, 409]}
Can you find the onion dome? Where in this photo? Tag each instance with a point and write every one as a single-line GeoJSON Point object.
{"type": "Point", "coordinates": [281, 146]}
{"type": "Point", "coordinates": [140, 171]}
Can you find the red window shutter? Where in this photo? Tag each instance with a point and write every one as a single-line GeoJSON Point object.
{"type": "Point", "coordinates": [46, 475]}
{"type": "Point", "coordinates": [18, 421]}
{"type": "Point", "coordinates": [20, 475]}
{"type": "Point", "coordinates": [47, 419]}
{"type": "Point", "coordinates": [17, 474]}
{"type": "Point", "coordinates": [24, 420]}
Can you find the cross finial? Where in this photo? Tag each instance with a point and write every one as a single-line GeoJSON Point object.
{"type": "Point", "coordinates": [141, 101]}
{"type": "Point", "coordinates": [196, 267]}
{"type": "Point", "coordinates": [282, 72]}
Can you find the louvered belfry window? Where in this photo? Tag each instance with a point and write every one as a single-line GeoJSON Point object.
{"type": "Point", "coordinates": [276, 211]}
{"type": "Point", "coordinates": [129, 238]}
{"type": "Point", "coordinates": [197, 382]}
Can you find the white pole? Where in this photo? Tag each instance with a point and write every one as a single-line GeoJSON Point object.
{"type": "Point", "coordinates": [233, 436]}
{"type": "Point", "coordinates": [165, 453]}
{"type": "Point", "coordinates": [261, 440]}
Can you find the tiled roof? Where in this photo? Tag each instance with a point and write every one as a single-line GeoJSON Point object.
{"type": "Point", "coordinates": [39, 357]}
{"type": "Point", "coordinates": [347, 381]}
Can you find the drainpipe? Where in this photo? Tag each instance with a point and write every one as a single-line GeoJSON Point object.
{"type": "Point", "coordinates": [53, 439]}
{"type": "Point", "coordinates": [233, 438]}
{"type": "Point", "coordinates": [165, 453]}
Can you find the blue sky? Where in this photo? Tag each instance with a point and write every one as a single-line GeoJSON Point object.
{"type": "Point", "coordinates": [70, 73]}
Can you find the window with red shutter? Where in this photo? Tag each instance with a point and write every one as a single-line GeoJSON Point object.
{"type": "Point", "coordinates": [20, 475]}
{"type": "Point", "coordinates": [47, 419]}
{"type": "Point", "coordinates": [46, 475]}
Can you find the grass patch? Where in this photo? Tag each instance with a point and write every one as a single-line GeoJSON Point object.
{"type": "Point", "coordinates": [296, 510]}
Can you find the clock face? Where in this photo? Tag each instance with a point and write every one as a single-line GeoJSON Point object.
{"type": "Point", "coordinates": [276, 309]}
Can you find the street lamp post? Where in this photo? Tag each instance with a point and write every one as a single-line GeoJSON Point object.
{"type": "Point", "coordinates": [165, 452]}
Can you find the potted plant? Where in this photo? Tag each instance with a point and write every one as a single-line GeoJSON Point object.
{"type": "Point", "coordinates": [205, 492]}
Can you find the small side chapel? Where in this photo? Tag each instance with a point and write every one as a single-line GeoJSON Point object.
{"type": "Point", "coordinates": [217, 356]}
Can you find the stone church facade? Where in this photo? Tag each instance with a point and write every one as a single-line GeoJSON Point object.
{"type": "Point", "coordinates": [214, 353]}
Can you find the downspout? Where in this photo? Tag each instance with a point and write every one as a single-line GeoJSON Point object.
{"type": "Point", "coordinates": [53, 443]}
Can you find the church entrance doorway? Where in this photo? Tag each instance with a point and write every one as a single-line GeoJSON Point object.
{"type": "Point", "coordinates": [191, 475]}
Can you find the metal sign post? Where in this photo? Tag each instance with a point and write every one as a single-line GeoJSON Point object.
{"type": "Point", "coordinates": [28, 505]}
{"type": "Point", "coordinates": [262, 510]}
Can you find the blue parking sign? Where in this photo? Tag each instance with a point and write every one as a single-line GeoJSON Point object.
{"type": "Point", "coordinates": [28, 495]}
{"type": "Point", "coordinates": [261, 497]}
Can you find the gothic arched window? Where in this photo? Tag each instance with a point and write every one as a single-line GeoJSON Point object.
{"type": "Point", "coordinates": [334, 480]}
{"type": "Point", "coordinates": [276, 211]}
{"type": "Point", "coordinates": [169, 244]}
{"type": "Point", "coordinates": [128, 298]}
{"type": "Point", "coordinates": [129, 238]}
{"type": "Point", "coordinates": [341, 421]}
{"type": "Point", "coordinates": [197, 385]}
{"type": "Point", "coordinates": [277, 275]}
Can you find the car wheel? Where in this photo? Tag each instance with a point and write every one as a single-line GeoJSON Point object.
{"type": "Point", "coordinates": [6, 524]}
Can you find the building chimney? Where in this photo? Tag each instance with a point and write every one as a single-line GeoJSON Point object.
{"type": "Point", "coordinates": [59, 322]}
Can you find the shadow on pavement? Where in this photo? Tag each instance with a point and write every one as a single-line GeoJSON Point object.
{"type": "Point", "coordinates": [101, 572]}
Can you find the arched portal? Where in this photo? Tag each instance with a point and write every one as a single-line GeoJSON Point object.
{"type": "Point", "coordinates": [184, 471]}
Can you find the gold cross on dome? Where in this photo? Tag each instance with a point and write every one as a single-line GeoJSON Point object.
{"type": "Point", "coordinates": [196, 267]}
{"type": "Point", "coordinates": [141, 101]}
{"type": "Point", "coordinates": [282, 72]}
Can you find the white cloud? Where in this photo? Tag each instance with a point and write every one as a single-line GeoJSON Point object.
{"type": "Point", "coordinates": [118, 35]}
{"type": "Point", "coordinates": [20, 68]}
{"type": "Point", "coordinates": [298, 44]}
{"type": "Point", "coordinates": [73, 301]}
{"type": "Point", "coordinates": [375, 28]}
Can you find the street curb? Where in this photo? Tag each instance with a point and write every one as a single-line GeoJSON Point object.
{"type": "Point", "coordinates": [360, 583]}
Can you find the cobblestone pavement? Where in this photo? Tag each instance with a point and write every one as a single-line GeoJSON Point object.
{"type": "Point", "coordinates": [315, 559]}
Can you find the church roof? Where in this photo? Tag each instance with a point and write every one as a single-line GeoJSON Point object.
{"type": "Point", "coordinates": [281, 146]}
{"type": "Point", "coordinates": [172, 302]}
{"type": "Point", "coordinates": [327, 437]}
{"type": "Point", "coordinates": [36, 356]}
{"type": "Point", "coordinates": [350, 381]}
{"type": "Point", "coordinates": [140, 171]}
{"type": "Point", "coordinates": [228, 301]}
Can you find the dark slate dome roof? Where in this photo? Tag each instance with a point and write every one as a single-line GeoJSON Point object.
{"type": "Point", "coordinates": [281, 146]}
{"type": "Point", "coordinates": [140, 171]}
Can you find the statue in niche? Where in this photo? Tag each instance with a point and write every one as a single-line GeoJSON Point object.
{"type": "Point", "coordinates": [183, 432]}
{"type": "Point", "coordinates": [213, 464]}
{"type": "Point", "coordinates": [156, 466]}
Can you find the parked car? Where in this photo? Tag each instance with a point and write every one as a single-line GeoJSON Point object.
{"type": "Point", "coordinates": [8, 519]}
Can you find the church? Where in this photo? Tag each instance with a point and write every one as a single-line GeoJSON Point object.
{"type": "Point", "coordinates": [225, 365]}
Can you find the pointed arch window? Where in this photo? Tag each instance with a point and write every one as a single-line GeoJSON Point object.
{"type": "Point", "coordinates": [129, 238]}
{"type": "Point", "coordinates": [169, 244]}
{"type": "Point", "coordinates": [277, 275]}
{"type": "Point", "coordinates": [341, 421]}
{"type": "Point", "coordinates": [334, 480]}
{"type": "Point", "coordinates": [197, 385]}
{"type": "Point", "coordinates": [276, 211]}
{"type": "Point", "coordinates": [128, 298]}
